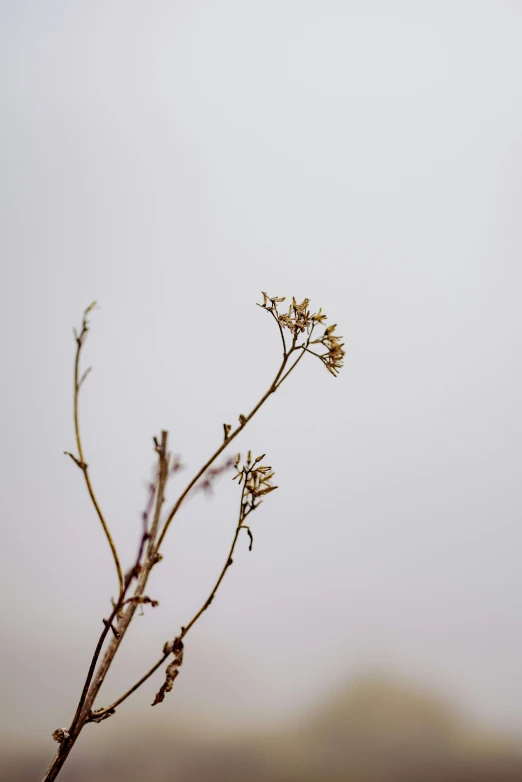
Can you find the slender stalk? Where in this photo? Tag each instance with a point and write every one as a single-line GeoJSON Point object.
{"type": "Point", "coordinates": [280, 331]}
{"type": "Point", "coordinates": [279, 378]}
{"type": "Point", "coordinates": [83, 712]}
{"type": "Point", "coordinates": [256, 485]}
{"type": "Point", "coordinates": [226, 566]}
{"type": "Point", "coordinates": [313, 353]}
{"type": "Point", "coordinates": [185, 630]}
{"type": "Point", "coordinates": [80, 461]}
{"type": "Point", "coordinates": [95, 679]}
{"type": "Point", "coordinates": [108, 624]}
{"type": "Point", "coordinates": [163, 471]}
{"type": "Point", "coordinates": [243, 422]}
{"type": "Point", "coordinates": [302, 349]}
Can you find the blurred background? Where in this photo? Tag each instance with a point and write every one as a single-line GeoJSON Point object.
{"type": "Point", "coordinates": [171, 159]}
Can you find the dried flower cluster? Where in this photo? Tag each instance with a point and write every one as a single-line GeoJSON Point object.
{"type": "Point", "coordinates": [256, 479]}
{"type": "Point", "coordinates": [334, 356]}
{"type": "Point", "coordinates": [300, 320]}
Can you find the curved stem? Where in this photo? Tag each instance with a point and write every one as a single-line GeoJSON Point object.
{"type": "Point", "coordinates": [243, 422]}
{"type": "Point", "coordinates": [92, 667]}
{"type": "Point", "coordinates": [95, 679]}
{"type": "Point", "coordinates": [280, 330]}
{"type": "Point", "coordinates": [303, 348]}
{"type": "Point", "coordinates": [279, 378]}
{"type": "Point", "coordinates": [81, 460]}
{"type": "Point", "coordinates": [226, 566]}
{"type": "Point", "coordinates": [135, 687]}
{"type": "Point", "coordinates": [185, 630]}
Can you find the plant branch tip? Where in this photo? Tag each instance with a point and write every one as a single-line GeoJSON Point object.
{"type": "Point", "coordinates": [78, 463]}
{"type": "Point", "coordinates": [100, 714]}
{"type": "Point", "coordinates": [300, 320]}
{"type": "Point", "coordinates": [141, 600]}
{"type": "Point", "coordinates": [83, 377]}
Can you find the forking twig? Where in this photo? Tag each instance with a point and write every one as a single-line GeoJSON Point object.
{"type": "Point", "coordinates": [255, 479]}
{"type": "Point", "coordinates": [140, 571]}
{"type": "Point", "coordinates": [244, 511]}
{"type": "Point", "coordinates": [80, 460]}
{"type": "Point", "coordinates": [278, 379]}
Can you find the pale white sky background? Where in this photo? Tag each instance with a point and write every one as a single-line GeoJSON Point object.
{"type": "Point", "coordinates": [171, 159]}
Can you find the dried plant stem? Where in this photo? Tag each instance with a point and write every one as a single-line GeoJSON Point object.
{"type": "Point", "coordinates": [278, 379]}
{"type": "Point", "coordinates": [185, 630]}
{"type": "Point", "coordinates": [163, 469]}
{"type": "Point", "coordinates": [163, 472]}
{"type": "Point", "coordinates": [94, 680]}
{"type": "Point", "coordinates": [225, 444]}
{"type": "Point", "coordinates": [302, 349]}
{"type": "Point", "coordinates": [256, 483]}
{"type": "Point", "coordinates": [80, 460]}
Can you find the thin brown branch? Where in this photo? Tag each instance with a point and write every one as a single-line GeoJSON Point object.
{"type": "Point", "coordinates": [132, 573]}
{"type": "Point", "coordinates": [243, 513]}
{"type": "Point", "coordinates": [280, 330]}
{"type": "Point", "coordinates": [80, 460]}
{"type": "Point", "coordinates": [228, 562]}
{"type": "Point", "coordinates": [256, 484]}
{"type": "Point", "coordinates": [95, 679]}
{"type": "Point", "coordinates": [313, 353]}
{"type": "Point", "coordinates": [111, 709]}
{"type": "Point", "coordinates": [163, 472]}
{"type": "Point", "coordinates": [108, 625]}
{"type": "Point", "coordinates": [302, 348]}
{"type": "Point", "coordinates": [243, 422]}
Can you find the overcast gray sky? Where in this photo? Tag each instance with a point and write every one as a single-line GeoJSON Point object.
{"type": "Point", "coordinates": [173, 159]}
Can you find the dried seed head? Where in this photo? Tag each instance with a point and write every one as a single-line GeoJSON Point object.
{"type": "Point", "coordinates": [274, 300]}
{"type": "Point", "coordinates": [256, 479]}
{"type": "Point", "coordinates": [300, 320]}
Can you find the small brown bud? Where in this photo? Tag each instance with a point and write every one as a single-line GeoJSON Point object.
{"type": "Point", "coordinates": [60, 735]}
